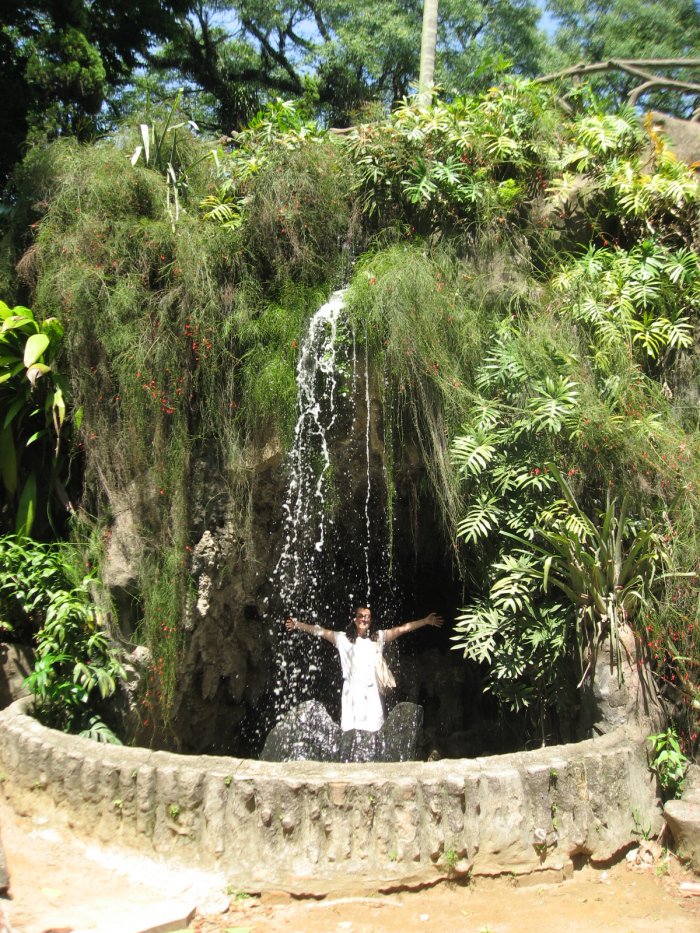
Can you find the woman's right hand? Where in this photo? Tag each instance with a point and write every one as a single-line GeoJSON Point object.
{"type": "Point", "coordinates": [291, 624]}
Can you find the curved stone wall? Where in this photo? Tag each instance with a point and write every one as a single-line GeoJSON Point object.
{"type": "Point", "coordinates": [308, 827]}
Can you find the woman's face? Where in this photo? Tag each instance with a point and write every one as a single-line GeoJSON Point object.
{"type": "Point", "coordinates": [363, 621]}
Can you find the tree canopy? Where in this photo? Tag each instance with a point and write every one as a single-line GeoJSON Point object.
{"type": "Point", "coordinates": [598, 30]}
{"type": "Point", "coordinates": [59, 58]}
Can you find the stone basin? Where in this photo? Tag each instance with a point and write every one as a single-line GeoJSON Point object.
{"type": "Point", "coordinates": [309, 827]}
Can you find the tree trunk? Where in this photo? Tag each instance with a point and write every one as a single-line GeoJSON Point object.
{"type": "Point", "coordinates": [427, 52]}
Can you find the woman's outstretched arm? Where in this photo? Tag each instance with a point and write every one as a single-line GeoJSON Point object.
{"type": "Point", "coordinates": [432, 619]}
{"type": "Point", "coordinates": [294, 625]}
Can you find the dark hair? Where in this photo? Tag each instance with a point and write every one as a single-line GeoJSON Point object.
{"type": "Point", "coordinates": [351, 630]}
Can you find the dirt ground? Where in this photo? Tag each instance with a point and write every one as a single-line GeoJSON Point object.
{"type": "Point", "coordinates": [59, 883]}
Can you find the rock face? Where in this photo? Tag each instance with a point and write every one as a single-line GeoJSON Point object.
{"type": "Point", "coordinates": [224, 697]}
{"type": "Point", "coordinates": [307, 733]}
{"type": "Point", "coordinates": [4, 874]}
{"type": "Point", "coordinates": [683, 135]}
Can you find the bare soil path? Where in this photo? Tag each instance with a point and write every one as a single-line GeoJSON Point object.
{"type": "Point", "coordinates": [59, 883]}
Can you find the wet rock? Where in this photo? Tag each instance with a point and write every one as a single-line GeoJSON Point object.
{"type": "Point", "coordinates": [359, 746]}
{"type": "Point", "coordinates": [683, 818]}
{"type": "Point", "coordinates": [306, 733]}
{"type": "Point", "coordinates": [400, 733]}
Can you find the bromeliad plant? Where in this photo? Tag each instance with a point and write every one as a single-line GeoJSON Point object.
{"type": "Point", "coordinates": [172, 153]}
{"type": "Point", "coordinates": [608, 570]}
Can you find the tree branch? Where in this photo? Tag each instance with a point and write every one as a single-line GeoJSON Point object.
{"type": "Point", "coordinates": [320, 25]}
{"type": "Point", "coordinates": [276, 56]}
{"type": "Point", "coordinates": [636, 92]}
{"type": "Point", "coordinates": [618, 64]}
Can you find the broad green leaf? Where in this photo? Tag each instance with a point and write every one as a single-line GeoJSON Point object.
{"type": "Point", "coordinates": [17, 321]}
{"type": "Point", "coordinates": [146, 137]}
{"type": "Point", "coordinates": [5, 312]}
{"type": "Point", "coordinates": [8, 460]}
{"type": "Point", "coordinates": [78, 418]}
{"type": "Point", "coordinates": [27, 508]}
{"type": "Point", "coordinates": [35, 347]}
{"type": "Point", "coordinates": [12, 411]}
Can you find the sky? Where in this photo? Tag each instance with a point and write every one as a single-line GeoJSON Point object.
{"type": "Point", "coordinates": [227, 18]}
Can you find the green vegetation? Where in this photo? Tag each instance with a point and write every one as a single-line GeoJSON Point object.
{"type": "Point", "coordinates": [669, 763]}
{"type": "Point", "coordinates": [44, 592]}
{"type": "Point", "coordinates": [545, 389]}
{"type": "Point", "coordinates": [527, 282]}
{"type": "Point", "coordinates": [33, 408]}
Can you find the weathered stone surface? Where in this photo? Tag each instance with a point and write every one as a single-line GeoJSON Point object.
{"type": "Point", "coordinates": [683, 135]}
{"type": "Point", "coordinates": [308, 827]}
{"type": "Point", "coordinates": [611, 699]}
{"type": "Point", "coordinates": [16, 663]}
{"type": "Point", "coordinates": [691, 791]}
{"type": "Point", "coordinates": [306, 733]}
{"type": "Point", "coordinates": [683, 818]}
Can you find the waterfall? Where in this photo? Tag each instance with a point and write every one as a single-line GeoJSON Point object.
{"type": "Point", "coordinates": [305, 506]}
{"type": "Point", "coordinates": [333, 555]}
{"type": "Point", "coordinates": [369, 484]}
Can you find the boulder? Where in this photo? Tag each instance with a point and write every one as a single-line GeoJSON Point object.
{"type": "Point", "coordinates": [691, 791]}
{"type": "Point", "coordinates": [358, 746]}
{"type": "Point", "coordinates": [400, 733]}
{"type": "Point", "coordinates": [683, 819]}
{"type": "Point", "coordinates": [683, 135]}
{"type": "Point", "coordinates": [305, 733]}
{"type": "Point", "coordinates": [611, 698]}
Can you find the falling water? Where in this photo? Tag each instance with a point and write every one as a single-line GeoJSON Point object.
{"type": "Point", "coordinates": [305, 512]}
{"type": "Point", "coordinates": [369, 486]}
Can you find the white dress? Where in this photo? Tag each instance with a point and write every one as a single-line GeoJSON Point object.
{"type": "Point", "coordinates": [362, 703]}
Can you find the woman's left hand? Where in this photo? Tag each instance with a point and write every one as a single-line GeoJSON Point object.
{"type": "Point", "coordinates": [433, 619]}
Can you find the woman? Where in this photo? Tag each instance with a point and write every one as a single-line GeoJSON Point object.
{"type": "Point", "coordinates": [362, 704]}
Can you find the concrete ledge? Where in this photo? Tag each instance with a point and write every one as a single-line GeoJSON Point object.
{"type": "Point", "coordinates": [308, 827]}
